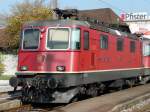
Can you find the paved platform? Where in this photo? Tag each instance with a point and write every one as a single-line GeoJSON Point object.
{"type": "Point", "coordinates": [111, 102]}
{"type": "Point", "coordinates": [6, 88]}
{"type": "Point", "coordinates": [4, 82]}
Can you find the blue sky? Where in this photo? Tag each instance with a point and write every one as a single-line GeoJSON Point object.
{"type": "Point", "coordinates": [119, 6]}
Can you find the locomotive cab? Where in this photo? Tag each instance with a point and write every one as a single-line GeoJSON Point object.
{"type": "Point", "coordinates": [48, 58]}
{"type": "Point", "coordinates": [49, 49]}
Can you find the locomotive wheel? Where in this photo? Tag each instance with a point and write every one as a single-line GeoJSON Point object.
{"type": "Point", "coordinates": [130, 82]}
{"type": "Point", "coordinates": [101, 88]}
{"type": "Point", "coordinates": [27, 95]}
{"type": "Point", "coordinates": [117, 84]}
{"type": "Point", "coordinates": [92, 91]}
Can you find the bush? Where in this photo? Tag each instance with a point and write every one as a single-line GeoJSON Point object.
{"type": "Point", "coordinates": [5, 77]}
{"type": "Point", "coordinates": [2, 67]}
{"type": "Point", "coordinates": [21, 13]}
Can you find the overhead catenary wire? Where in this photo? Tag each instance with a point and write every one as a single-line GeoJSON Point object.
{"type": "Point", "coordinates": [107, 3]}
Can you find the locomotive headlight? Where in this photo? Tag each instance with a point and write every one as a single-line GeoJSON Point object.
{"type": "Point", "coordinates": [60, 68]}
{"type": "Point", "coordinates": [24, 68]}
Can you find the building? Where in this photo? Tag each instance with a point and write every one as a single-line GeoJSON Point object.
{"type": "Point", "coordinates": [106, 16]}
{"type": "Point", "coordinates": [138, 22]}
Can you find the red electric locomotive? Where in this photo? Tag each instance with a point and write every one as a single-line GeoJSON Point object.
{"type": "Point", "coordinates": [61, 59]}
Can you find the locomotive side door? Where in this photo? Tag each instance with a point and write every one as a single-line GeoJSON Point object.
{"type": "Point", "coordinates": [86, 60]}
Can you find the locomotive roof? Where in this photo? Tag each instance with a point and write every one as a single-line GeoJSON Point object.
{"type": "Point", "coordinates": [57, 23]}
{"type": "Point", "coordinates": [69, 22]}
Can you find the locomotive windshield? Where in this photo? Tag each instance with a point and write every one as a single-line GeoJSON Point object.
{"type": "Point", "coordinates": [58, 38]}
{"type": "Point", "coordinates": [31, 38]}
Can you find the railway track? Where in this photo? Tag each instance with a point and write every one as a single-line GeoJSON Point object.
{"type": "Point", "coordinates": [10, 95]}
{"type": "Point", "coordinates": [133, 98]}
{"type": "Point", "coordinates": [34, 108]}
{"type": "Point", "coordinates": [10, 102]}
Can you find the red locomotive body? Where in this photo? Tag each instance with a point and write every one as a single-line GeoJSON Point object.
{"type": "Point", "coordinates": [61, 59]}
{"type": "Point", "coordinates": [94, 51]}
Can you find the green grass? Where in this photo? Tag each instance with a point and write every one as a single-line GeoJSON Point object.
{"type": "Point", "coordinates": [5, 77]}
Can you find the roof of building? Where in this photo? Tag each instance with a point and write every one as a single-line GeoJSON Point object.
{"type": "Point", "coordinates": [106, 15]}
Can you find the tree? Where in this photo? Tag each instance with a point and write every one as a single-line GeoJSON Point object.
{"type": "Point", "coordinates": [21, 13]}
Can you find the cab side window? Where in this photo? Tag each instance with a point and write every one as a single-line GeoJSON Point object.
{"type": "Point", "coordinates": [103, 41]}
{"type": "Point", "coordinates": [132, 46]}
{"type": "Point", "coordinates": [146, 50]}
{"type": "Point", "coordinates": [86, 40]}
{"type": "Point", "coordinates": [120, 44]}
